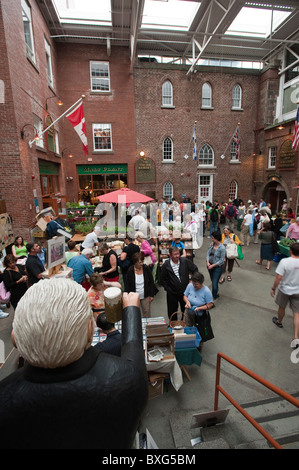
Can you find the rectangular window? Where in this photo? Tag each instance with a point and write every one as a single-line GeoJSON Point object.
{"type": "Point", "coordinates": [26, 12]}
{"type": "Point", "coordinates": [205, 188]}
{"type": "Point", "coordinates": [272, 157]}
{"type": "Point", "coordinates": [49, 63]}
{"type": "Point", "coordinates": [99, 76]}
{"type": "Point", "coordinates": [102, 137]}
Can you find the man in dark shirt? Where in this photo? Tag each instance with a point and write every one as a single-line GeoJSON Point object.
{"type": "Point", "coordinates": [34, 266]}
{"type": "Point", "coordinates": [112, 344]}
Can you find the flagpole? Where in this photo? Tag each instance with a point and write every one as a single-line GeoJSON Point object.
{"type": "Point", "coordinates": [39, 135]}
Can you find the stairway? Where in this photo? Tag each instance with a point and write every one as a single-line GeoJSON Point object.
{"type": "Point", "coordinates": [276, 415]}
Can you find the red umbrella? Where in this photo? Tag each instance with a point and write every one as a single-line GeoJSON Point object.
{"type": "Point", "coordinates": [124, 195]}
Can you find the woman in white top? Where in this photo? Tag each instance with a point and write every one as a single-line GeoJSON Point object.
{"type": "Point", "coordinates": [140, 280]}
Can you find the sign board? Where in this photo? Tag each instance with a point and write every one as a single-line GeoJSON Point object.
{"type": "Point", "coordinates": [287, 156]}
{"type": "Point", "coordinates": [145, 170]}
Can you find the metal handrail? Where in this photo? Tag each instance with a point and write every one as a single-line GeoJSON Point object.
{"type": "Point", "coordinates": [259, 379]}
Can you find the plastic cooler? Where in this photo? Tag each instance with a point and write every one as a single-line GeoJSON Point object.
{"type": "Point", "coordinates": [186, 343]}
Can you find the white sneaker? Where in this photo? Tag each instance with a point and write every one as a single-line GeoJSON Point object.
{"type": "Point", "coordinates": [295, 343]}
{"type": "Point", "coordinates": [3, 314]}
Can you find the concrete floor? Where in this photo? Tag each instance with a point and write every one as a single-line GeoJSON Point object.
{"type": "Point", "coordinates": [243, 328]}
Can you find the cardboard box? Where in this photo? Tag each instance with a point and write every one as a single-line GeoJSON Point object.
{"type": "Point", "coordinates": [155, 384]}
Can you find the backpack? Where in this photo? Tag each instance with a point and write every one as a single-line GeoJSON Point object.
{"type": "Point", "coordinates": [231, 211]}
{"type": "Point", "coordinates": [214, 215]}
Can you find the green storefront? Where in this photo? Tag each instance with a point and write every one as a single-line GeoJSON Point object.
{"type": "Point", "coordinates": [95, 180]}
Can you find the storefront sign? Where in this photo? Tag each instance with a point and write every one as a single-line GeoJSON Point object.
{"type": "Point", "coordinates": [145, 170]}
{"type": "Point", "coordinates": [287, 156]}
{"type": "Point", "coordinates": [101, 169]}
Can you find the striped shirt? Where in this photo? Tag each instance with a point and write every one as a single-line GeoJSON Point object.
{"type": "Point", "coordinates": [175, 268]}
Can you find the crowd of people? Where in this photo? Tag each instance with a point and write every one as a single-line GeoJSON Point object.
{"type": "Point", "coordinates": [81, 305]}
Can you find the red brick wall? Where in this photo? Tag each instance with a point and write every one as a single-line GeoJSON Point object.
{"type": "Point", "coordinates": [215, 127]}
{"type": "Point", "coordinates": [26, 90]}
{"type": "Point", "coordinates": [116, 108]}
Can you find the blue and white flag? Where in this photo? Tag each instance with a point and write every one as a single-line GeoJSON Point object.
{"type": "Point", "coordinates": [194, 143]}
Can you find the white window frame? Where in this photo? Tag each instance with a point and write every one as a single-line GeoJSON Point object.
{"type": "Point", "coordinates": [56, 138]}
{"type": "Point", "coordinates": [203, 149]}
{"type": "Point", "coordinates": [28, 31]}
{"type": "Point", "coordinates": [206, 95]}
{"type": "Point", "coordinates": [102, 81]}
{"type": "Point", "coordinates": [233, 190]}
{"type": "Point", "coordinates": [49, 63]}
{"type": "Point", "coordinates": [208, 186]}
{"type": "Point", "coordinates": [167, 153]}
{"type": "Point", "coordinates": [272, 156]}
{"type": "Point", "coordinates": [168, 190]}
{"type": "Point", "coordinates": [98, 128]}
{"type": "Point", "coordinates": [38, 124]}
{"type": "Point", "coordinates": [237, 97]}
{"type": "Point", "coordinates": [167, 94]}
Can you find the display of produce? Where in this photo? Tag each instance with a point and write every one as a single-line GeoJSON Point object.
{"type": "Point", "coordinates": [287, 241]}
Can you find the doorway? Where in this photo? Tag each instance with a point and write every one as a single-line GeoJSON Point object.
{"type": "Point", "coordinates": [274, 194]}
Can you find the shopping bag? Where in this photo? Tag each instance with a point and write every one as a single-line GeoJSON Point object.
{"type": "Point", "coordinates": [203, 324]}
{"type": "Point", "coordinates": [232, 251]}
{"type": "Point", "coordinates": [4, 294]}
{"type": "Point", "coordinates": [240, 252]}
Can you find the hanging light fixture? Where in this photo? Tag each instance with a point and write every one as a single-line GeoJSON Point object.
{"type": "Point", "coordinates": [36, 138]}
{"type": "Point", "coordinates": [59, 102]}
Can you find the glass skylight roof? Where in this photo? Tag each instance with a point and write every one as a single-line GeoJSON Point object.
{"type": "Point", "coordinates": [173, 15]}
{"type": "Point", "coordinates": [84, 11]}
{"type": "Point", "coordinates": [257, 22]}
{"type": "Point", "coordinates": [169, 14]}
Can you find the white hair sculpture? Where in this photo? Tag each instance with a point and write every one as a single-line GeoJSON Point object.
{"type": "Point", "coordinates": [52, 322]}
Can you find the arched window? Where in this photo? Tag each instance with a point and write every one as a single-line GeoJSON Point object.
{"type": "Point", "coordinates": [206, 99]}
{"type": "Point", "coordinates": [237, 97]}
{"type": "Point", "coordinates": [206, 155]}
{"type": "Point", "coordinates": [167, 94]}
{"type": "Point", "coordinates": [168, 191]}
{"type": "Point", "coordinates": [167, 149]}
{"type": "Point", "coordinates": [233, 190]}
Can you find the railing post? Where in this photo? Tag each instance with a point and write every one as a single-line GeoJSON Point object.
{"type": "Point", "coordinates": [217, 382]}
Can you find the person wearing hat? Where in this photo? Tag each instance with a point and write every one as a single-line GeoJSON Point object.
{"type": "Point", "coordinates": [293, 230]}
{"type": "Point", "coordinates": [284, 205]}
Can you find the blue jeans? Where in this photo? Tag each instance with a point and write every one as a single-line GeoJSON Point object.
{"type": "Point", "coordinates": [213, 227]}
{"type": "Point", "coordinates": [215, 274]}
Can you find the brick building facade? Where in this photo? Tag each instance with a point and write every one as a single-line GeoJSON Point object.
{"type": "Point", "coordinates": [34, 177]}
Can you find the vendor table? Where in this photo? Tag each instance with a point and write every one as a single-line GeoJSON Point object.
{"type": "Point", "coordinates": [169, 366]}
{"type": "Point", "coordinates": [187, 357]}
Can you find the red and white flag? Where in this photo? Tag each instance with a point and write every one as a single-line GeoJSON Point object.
{"type": "Point", "coordinates": [77, 119]}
